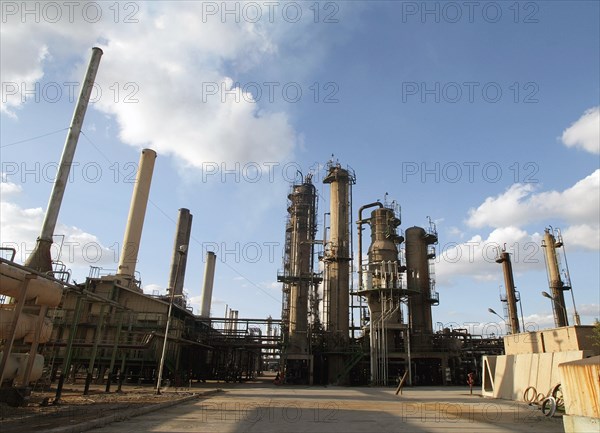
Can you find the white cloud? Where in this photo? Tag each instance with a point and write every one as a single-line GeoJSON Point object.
{"type": "Point", "coordinates": [77, 249]}
{"type": "Point", "coordinates": [170, 61]}
{"type": "Point", "coordinates": [476, 257]}
{"type": "Point", "coordinates": [585, 132]}
{"type": "Point", "coordinates": [578, 206]}
{"type": "Point", "coordinates": [152, 289]}
{"type": "Point", "coordinates": [538, 321]}
{"type": "Point", "coordinates": [592, 310]}
{"type": "Point", "coordinates": [7, 187]}
{"type": "Point", "coordinates": [583, 236]}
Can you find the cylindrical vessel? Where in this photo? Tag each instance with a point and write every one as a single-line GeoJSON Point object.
{"type": "Point", "coordinates": [338, 271]}
{"type": "Point", "coordinates": [383, 249]}
{"type": "Point", "coordinates": [26, 325]}
{"type": "Point", "coordinates": [418, 280]}
{"type": "Point", "coordinates": [45, 292]}
{"type": "Point", "coordinates": [17, 364]}
{"type": "Point", "coordinates": [302, 224]}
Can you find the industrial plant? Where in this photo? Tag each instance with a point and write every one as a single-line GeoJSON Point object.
{"type": "Point", "coordinates": [345, 320]}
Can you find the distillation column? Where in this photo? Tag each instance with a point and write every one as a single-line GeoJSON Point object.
{"type": "Point", "coordinates": [511, 298]}
{"type": "Point", "coordinates": [555, 282]}
{"type": "Point", "coordinates": [337, 260]}
{"type": "Point", "coordinates": [302, 220]}
{"type": "Point", "coordinates": [419, 282]}
{"type": "Point", "coordinates": [383, 291]}
{"type": "Point", "coordinates": [337, 255]}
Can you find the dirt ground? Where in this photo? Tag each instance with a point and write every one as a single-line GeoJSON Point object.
{"type": "Point", "coordinates": [75, 408]}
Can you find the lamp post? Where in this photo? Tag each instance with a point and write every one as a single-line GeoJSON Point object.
{"type": "Point", "coordinates": [491, 310]}
{"type": "Point", "coordinates": [555, 303]}
{"type": "Point", "coordinates": [182, 250]}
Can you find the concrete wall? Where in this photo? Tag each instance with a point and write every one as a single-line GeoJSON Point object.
{"type": "Point", "coordinates": [563, 339]}
{"type": "Point", "coordinates": [508, 376]}
{"type": "Point", "coordinates": [580, 382]}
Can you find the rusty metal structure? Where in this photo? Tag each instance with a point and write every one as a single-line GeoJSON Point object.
{"type": "Point", "coordinates": [559, 279]}
{"type": "Point", "coordinates": [299, 281]}
{"type": "Point", "coordinates": [382, 284]}
{"type": "Point", "coordinates": [512, 295]}
{"type": "Point", "coordinates": [395, 295]}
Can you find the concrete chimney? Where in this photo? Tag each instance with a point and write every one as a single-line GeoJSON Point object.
{"type": "Point", "coordinates": [209, 277]}
{"type": "Point", "coordinates": [40, 257]}
{"type": "Point", "coordinates": [178, 265]}
{"type": "Point", "coordinates": [137, 212]}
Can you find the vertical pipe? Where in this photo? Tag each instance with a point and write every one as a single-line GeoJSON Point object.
{"type": "Point", "coordinates": [137, 212]}
{"type": "Point", "coordinates": [182, 237]}
{"type": "Point", "coordinates": [113, 357]}
{"type": "Point", "coordinates": [207, 287]}
{"type": "Point", "coordinates": [40, 257]}
{"type": "Point", "coordinates": [69, 349]}
{"type": "Point", "coordinates": [92, 361]}
{"type": "Point", "coordinates": [509, 284]}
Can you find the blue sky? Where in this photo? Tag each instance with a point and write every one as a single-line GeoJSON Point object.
{"type": "Point", "coordinates": [483, 117]}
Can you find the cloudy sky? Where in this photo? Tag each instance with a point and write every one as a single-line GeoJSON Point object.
{"type": "Point", "coordinates": [484, 117]}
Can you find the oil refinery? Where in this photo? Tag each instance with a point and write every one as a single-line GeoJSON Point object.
{"type": "Point", "coordinates": [355, 311]}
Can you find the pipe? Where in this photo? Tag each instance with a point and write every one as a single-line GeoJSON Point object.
{"type": "Point", "coordinates": [182, 237]}
{"type": "Point", "coordinates": [40, 258]}
{"type": "Point", "coordinates": [137, 212]}
{"type": "Point", "coordinates": [207, 287]}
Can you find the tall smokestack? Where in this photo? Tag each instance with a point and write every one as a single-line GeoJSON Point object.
{"type": "Point", "coordinates": [207, 288]}
{"type": "Point", "coordinates": [555, 282]}
{"type": "Point", "coordinates": [40, 258]}
{"type": "Point", "coordinates": [511, 299]}
{"type": "Point", "coordinates": [137, 212]}
{"type": "Point", "coordinates": [178, 264]}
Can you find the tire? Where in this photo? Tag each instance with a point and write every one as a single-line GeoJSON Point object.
{"type": "Point", "coordinates": [549, 406]}
{"type": "Point", "coordinates": [533, 395]}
